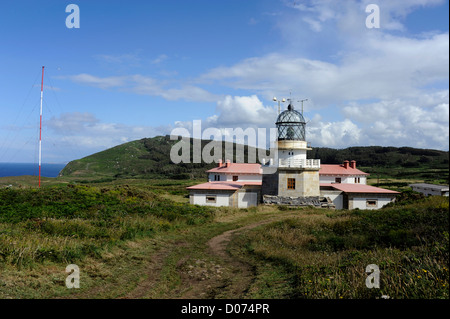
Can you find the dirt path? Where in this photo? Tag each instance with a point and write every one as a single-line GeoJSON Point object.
{"type": "Point", "coordinates": [235, 283]}
{"type": "Point", "coordinates": [152, 276]}
{"type": "Point", "coordinates": [244, 273]}
{"type": "Point", "coordinates": [218, 276]}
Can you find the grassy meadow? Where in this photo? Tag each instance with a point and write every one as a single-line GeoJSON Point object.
{"type": "Point", "coordinates": [321, 254]}
{"type": "Point", "coordinates": [122, 231]}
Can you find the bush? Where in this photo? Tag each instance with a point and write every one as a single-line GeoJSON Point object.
{"type": "Point", "coordinates": [65, 223]}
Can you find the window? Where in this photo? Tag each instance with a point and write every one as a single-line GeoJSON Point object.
{"type": "Point", "coordinates": [216, 177]}
{"type": "Point", "coordinates": [357, 180]}
{"type": "Point", "coordinates": [291, 183]}
{"type": "Point", "coordinates": [371, 203]}
{"type": "Point", "coordinates": [337, 180]}
{"type": "Point", "coordinates": [235, 178]}
{"type": "Point", "coordinates": [210, 199]}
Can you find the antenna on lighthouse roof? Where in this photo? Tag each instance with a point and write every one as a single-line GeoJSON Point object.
{"type": "Point", "coordinates": [302, 103]}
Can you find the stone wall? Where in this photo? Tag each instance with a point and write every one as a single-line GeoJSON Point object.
{"type": "Point", "coordinates": [306, 183]}
{"type": "Point", "coordinates": [315, 201]}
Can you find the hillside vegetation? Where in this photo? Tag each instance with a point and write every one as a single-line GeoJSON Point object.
{"type": "Point", "coordinates": [146, 158]}
{"type": "Point", "coordinates": [144, 241]}
{"type": "Point", "coordinates": [324, 255]}
{"type": "Point", "coordinates": [150, 158]}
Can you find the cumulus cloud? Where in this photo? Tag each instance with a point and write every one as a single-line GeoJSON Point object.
{"type": "Point", "coordinates": [244, 111]}
{"type": "Point", "coordinates": [422, 121]}
{"type": "Point", "coordinates": [384, 88]}
{"type": "Point", "coordinates": [338, 134]}
{"type": "Point", "coordinates": [389, 67]}
{"type": "Point", "coordinates": [380, 84]}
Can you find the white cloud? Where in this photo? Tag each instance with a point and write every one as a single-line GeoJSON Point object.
{"type": "Point", "coordinates": [91, 80]}
{"type": "Point", "coordinates": [350, 15]}
{"type": "Point", "coordinates": [422, 121]}
{"type": "Point", "coordinates": [388, 67]}
{"type": "Point", "coordinates": [159, 59]}
{"type": "Point", "coordinates": [386, 89]}
{"type": "Point", "coordinates": [145, 85]}
{"type": "Point", "coordinates": [244, 111]}
{"type": "Point", "coordinates": [339, 134]}
{"type": "Point", "coordinates": [381, 85]}
{"type": "Point", "coordinates": [72, 123]}
{"type": "Point", "coordinates": [86, 134]}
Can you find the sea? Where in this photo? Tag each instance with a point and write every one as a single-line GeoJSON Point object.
{"type": "Point", "coordinates": [18, 169]}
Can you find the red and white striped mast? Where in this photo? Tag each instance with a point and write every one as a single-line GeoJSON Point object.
{"type": "Point", "coordinates": [40, 126]}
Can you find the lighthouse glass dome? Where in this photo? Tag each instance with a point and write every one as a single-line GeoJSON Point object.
{"type": "Point", "coordinates": [291, 125]}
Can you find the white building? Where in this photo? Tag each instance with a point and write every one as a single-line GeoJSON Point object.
{"type": "Point", "coordinates": [346, 173]}
{"type": "Point", "coordinates": [347, 187]}
{"type": "Point", "coordinates": [229, 184]}
{"type": "Point", "coordinates": [430, 189]}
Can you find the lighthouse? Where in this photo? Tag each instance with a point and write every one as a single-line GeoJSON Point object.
{"type": "Point", "coordinates": [295, 175]}
{"type": "Point", "coordinates": [290, 177]}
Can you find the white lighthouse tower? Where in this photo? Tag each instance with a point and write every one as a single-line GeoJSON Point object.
{"type": "Point", "coordinates": [291, 142]}
{"type": "Point", "coordinates": [296, 175]}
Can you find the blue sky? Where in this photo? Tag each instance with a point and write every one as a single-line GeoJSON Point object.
{"type": "Point", "coordinates": [142, 68]}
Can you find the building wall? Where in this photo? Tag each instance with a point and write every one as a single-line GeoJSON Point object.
{"type": "Point", "coordinates": [241, 177]}
{"type": "Point", "coordinates": [344, 179]}
{"type": "Point", "coordinates": [336, 197]}
{"type": "Point", "coordinates": [306, 183]}
{"type": "Point", "coordinates": [244, 177]}
{"type": "Point", "coordinates": [362, 201]}
{"type": "Point", "coordinates": [428, 191]}
{"type": "Point", "coordinates": [198, 197]}
{"type": "Point", "coordinates": [242, 198]}
{"type": "Point", "coordinates": [293, 154]}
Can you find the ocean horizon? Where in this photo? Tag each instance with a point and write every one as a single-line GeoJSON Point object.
{"type": "Point", "coordinates": [19, 169]}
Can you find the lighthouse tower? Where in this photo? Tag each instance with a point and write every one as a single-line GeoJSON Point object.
{"type": "Point", "coordinates": [296, 175]}
{"type": "Point", "coordinates": [291, 142]}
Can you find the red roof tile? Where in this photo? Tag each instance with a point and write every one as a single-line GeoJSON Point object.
{"type": "Point", "coordinates": [339, 169]}
{"type": "Point", "coordinates": [237, 168]}
{"type": "Point", "coordinates": [358, 188]}
{"type": "Point", "coordinates": [223, 185]}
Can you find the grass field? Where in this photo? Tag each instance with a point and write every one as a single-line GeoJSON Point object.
{"type": "Point", "coordinates": [318, 254]}
{"type": "Point", "coordinates": [137, 238]}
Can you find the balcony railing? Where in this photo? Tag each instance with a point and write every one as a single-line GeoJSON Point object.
{"type": "Point", "coordinates": [300, 163]}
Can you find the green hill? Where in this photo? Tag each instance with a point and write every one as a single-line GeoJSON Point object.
{"type": "Point", "coordinates": [145, 158]}
{"type": "Point", "coordinates": [150, 158]}
{"type": "Point", "coordinates": [397, 163]}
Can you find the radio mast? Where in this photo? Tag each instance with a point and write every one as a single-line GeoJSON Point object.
{"type": "Point", "coordinates": [40, 126]}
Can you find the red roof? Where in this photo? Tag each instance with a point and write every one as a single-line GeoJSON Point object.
{"type": "Point", "coordinates": [223, 185]}
{"type": "Point", "coordinates": [339, 169]}
{"type": "Point", "coordinates": [237, 168]}
{"type": "Point", "coordinates": [359, 188]}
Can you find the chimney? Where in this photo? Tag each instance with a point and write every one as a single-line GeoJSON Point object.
{"type": "Point", "coordinates": [353, 164]}
{"type": "Point", "coordinates": [228, 163]}
{"type": "Point", "coordinates": [220, 163]}
{"type": "Point", "coordinates": [345, 164]}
